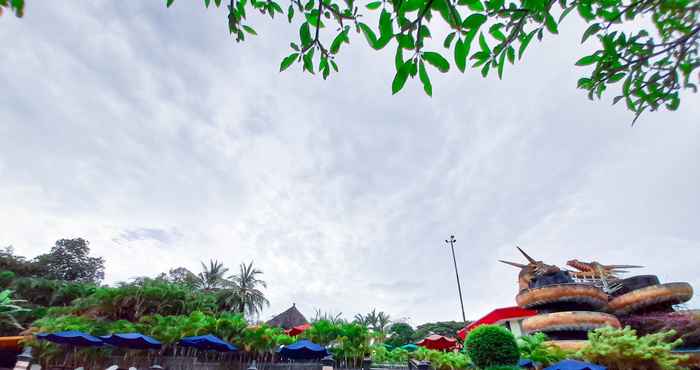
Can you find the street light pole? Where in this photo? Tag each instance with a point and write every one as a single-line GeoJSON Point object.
{"type": "Point", "coordinates": [451, 241]}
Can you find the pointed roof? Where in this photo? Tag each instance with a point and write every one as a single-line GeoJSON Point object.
{"type": "Point", "coordinates": [288, 319]}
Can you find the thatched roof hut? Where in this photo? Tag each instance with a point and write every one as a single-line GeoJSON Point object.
{"type": "Point", "coordinates": [288, 319]}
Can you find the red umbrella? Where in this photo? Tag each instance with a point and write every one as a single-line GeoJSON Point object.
{"type": "Point", "coordinates": [298, 330]}
{"type": "Point", "coordinates": [438, 342]}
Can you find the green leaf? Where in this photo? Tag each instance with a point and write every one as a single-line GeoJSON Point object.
{"type": "Point", "coordinates": [501, 63]}
{"type": "Point", "coordinates": [494, 4]}
{"type": "Point", "coordinates": [249, 29]}
{"type": "Point", "coordinates": [485, 69]}
{"type": "Point", "coordinates": [425, 79]}
{"type": "Point", "coordinates": [305, 35]}
{"type": "Point", "coordinates": [437, 60]}
{"type": "Point", "coordinates": [590, 31]}
{"type": "Point", "coordinates": [587, 60]}
{"type": "Point", "coordinates": [169, 2]}
{"type": "Point", "coordinates": [386, 29]}
{"type": "Point", "coordinates": [482, 43]}
{"type": "Point", "coordinates": [206, 3]}
{"type": "Point", "coordinates": [524, 42]}
{"type": "Point", "coordinates": [286, 62]}
{"type": "Point", "coordinates": [495, 31]}
{"type": "Point", "coordinates": [511, 54]}
{"type": "Point", "coordinates": [474, 21]}
{"type": "Point", "coordinates": [411, 5]}
{"type": "Point", "coordinates": [400, 77]}
{"type": "Point", "coordinates": [369, 35]}
{"type": "Point", "coordinates": [406, 41]}
{"type": "Point", "coordinates": [338, 41]}
{"type": "Point", "coordinates": [473, 5]}
{"type": "Point", "coordinates": [374, 5]}
{"type": "Point", "coordinates": [398, 59]}
{"type": "Point", "coordinates": [616, 77]}
{"type": "Point", "coordinates": [551, 24]}
{"type": "Point", "coordinates": [308, 61]}
{"type": "Point", "coordinates": [335, 66]}
{"type": "Point", "coordinates": [448, 40]}
{"type": "Point", "coordinates": [565, 13]}
{"type": "Point", "coordinates": [294, 46]}
{"type": "Point", "coordinates": [461, 51]}
{"type": "Point", "coordinates": [290, 13]}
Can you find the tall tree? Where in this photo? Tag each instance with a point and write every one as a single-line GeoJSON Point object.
{"type": "Point", "coordinates": [182, 276]}
{"type": "Point", "coordinates": [245, 286]}
{"type": "Point", "coordinates": [399, 334]}
{"type": "Point", "coordinates": [70, 260]}
{"type": "Point", "coordinates": [212, 277]}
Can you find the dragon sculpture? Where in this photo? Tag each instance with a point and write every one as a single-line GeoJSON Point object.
{"type": "Point", "coordinates": [532, 270]}
{"type": "Point", "coordinates": [595, 270]}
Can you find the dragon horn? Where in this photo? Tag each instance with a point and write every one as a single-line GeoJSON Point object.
{"type": "Point", "coordinates": [529, 259]}
{"type": "Point", "coordinates": [518, 265]}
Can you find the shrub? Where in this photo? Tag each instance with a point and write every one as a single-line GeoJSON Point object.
{"type": "Point", "coordinates": [492, 345]}
{"type": "Point", "coordinates": [535, 348]}
{"type": "Point", "coordinates": [503, 367]}
{"type": "Point", "coordinates": [620, 349]}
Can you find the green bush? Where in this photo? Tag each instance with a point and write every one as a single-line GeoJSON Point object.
{"type": "Point", "coordinates": [621, 349]}
{"type": "Point", "coordinates": [492, 345]}
{"type": "Point", "coordinates": [503, 367]}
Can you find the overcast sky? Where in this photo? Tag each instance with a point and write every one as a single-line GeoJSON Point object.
{"type": "Point", "coordinates": [151, 133]}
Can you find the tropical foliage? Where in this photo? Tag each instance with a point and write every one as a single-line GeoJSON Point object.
{"type": "Point", "coordinates": [439, 360]}
{"type": "Point", "coordinates": [444, 328]}
{"type": "Point", "coordinates": [535, 347]}
{"type": "Point", "coordinates": [492, 345]}
{"type": "Point", "coordinates": [9, 308]}
{"type": "Point", "coordinates": [620, 349]}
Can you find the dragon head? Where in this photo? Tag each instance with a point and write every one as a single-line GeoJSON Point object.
{"type": "Point", "coordinates": [531, 270]}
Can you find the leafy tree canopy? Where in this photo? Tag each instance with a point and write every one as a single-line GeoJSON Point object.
{"type": "Point", "coordinates": [445, 328]}
{"type": "Point", "coordinates": [646, 49]}
{"type": "Point", "coordinates": [400, 333]}
{"type": "Point", "coordinates": [70, 260]}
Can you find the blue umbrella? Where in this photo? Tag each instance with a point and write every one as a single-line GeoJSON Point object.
{"type": "Point", "coordinates": [526, 363]}
{"type": "Point", "coordinates": [207, 342]}
{"type": "Point", "coordinates": [72, 337]}
{"type": "Point", "coordinates": [575, 365]}
{"type": "Point", "coordinates": [131, 341]}
{"type": "Point", "coordinates": [303, 350]}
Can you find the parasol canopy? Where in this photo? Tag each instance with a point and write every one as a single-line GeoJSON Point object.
{"type": "Point", "coordinates": [438, 342]}
{"type": "Point", "coordinates": [208, 342]}
{"type": "Point", "coordinates": [298, 329]}
{"type": "Point", "coordinates": [303, 350]}
{"type": "Point", "coordinates": [574, 365]}
{"type": "Point", "coordinates": [131, 341]}
{"type": "Point", "coordinates": [409, 347]}
{"type": "Point", "coordinates": [72, 337]}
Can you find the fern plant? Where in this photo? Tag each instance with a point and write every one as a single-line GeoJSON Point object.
{"type": "Point", "coordinates": [622, 349]}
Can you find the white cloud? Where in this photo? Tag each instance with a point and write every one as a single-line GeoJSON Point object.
{"type": "Point", "coordinates": [152, 134]}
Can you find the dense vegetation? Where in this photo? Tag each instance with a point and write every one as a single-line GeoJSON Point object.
{"type": "Point", "coordinates": [621, 349]}
{"type": "Point", "coordinates": [37, 298]}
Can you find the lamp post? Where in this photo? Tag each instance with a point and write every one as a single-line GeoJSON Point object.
{"type": "Point", "coordinates": [451, 241]}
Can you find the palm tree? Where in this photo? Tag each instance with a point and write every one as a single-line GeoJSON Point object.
{"type": "Point", "coordinates": [212, 276]}
{"type": "Point", "coordinates": [244, 290]}
{"type": "Point", "coordinates": [9, 308]}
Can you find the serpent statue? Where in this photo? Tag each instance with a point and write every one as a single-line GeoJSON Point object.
{"type": "Point", "coordinates": [572, 302]}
